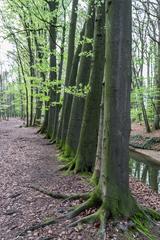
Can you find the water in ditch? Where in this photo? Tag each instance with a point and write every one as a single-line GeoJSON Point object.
{"type": "Point", "coordinates": [146, 172]}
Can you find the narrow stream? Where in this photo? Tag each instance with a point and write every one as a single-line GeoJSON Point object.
{"type": "Point", "coordinates": [146, 172]}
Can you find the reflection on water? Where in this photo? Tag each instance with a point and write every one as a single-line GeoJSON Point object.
{"type": "Point", "coordinates": [146, 172]}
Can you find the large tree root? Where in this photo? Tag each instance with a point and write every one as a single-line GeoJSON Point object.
{"type": "Point", "coordinates": [141, 217]}
{"type": "Point", "coordinates": [64, 167]}
{"type": "Point", "coordinates": [93, 200]}
{"type": "Point", "coordinates": [65, 197]}
{"type": "Point", "coordinates": [38, 131]}
{"type": "Point", "coordinates": [144, 219]}
{"type": "Point", "coordinates": [100, 216]}
{"type": "Point", "coordinates": [152, 213]}
{"type": "Point", "coordinates": [67, 167]}
{"type": "Point", "coordinates": [50, 194]}
{"type": "Point", "coordinates": [38, 225]}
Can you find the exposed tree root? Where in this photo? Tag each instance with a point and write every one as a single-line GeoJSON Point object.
{"type": "Point", "coordinates": [39, 131]}
{"type": "Point", "coordinates": [50, 194]}
{"type": "Point", "coordinates": [152, 213]}
{"type": "Point", "coordinates": [141, 217]}
{"type": "Point", "coordinates": [53, 141]}
{"type": "Point", "coordinates": [49, 143]}
{"type": "Point", "coordinates": [64, 167]}
{"type": "Point", "coordinates": [72, 166]}
{"type": "Point", "coordinates": [38, 225]}
{"type": "Point", "coordinates": [83, 196]}
{"type": "Point", "coordinates": [88, 219]}
{"type": "Point", "coordinates": [68, 167]}
{"type": "Point", "coordinates": [93, 201]}
{"type": "Point", "coordinates": [143, 223]}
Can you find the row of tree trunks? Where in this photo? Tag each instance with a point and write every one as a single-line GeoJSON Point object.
{"type": "Point", "coordinates": [77, 109]}
{"type": "Point", "coordinates": [70, 56]}
{"type": "Point", "coordinates": [86, 152]}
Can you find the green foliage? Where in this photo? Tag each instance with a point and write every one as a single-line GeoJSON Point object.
{"type": "Point", "coordinates": [150, 96]}
{"type": "Point", "coordinates": [79, 91]}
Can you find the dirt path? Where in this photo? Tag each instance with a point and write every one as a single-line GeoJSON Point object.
{"type": "Point", "coordinates": [27, 159]}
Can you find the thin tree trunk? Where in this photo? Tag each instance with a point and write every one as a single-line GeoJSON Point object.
{"type": "Point", "coordinates": [53, 5]}
{"type": "Point", "coordinates": [153, 178]}
{"type": "Point", "coordinates": [58, 106]}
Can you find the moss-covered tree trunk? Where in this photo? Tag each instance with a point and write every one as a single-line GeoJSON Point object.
{"type": "Point", "coordinates": [77, 109]}
{"type": "Point", "coordinates": [112, 192]}
{"type": "Point", "coordinates": [99, 153]}
{"type": "Point", "coordinates": [72, 82]}
{"type": "Point", "coordinates": [86, 152]}
{"type": "Point", "coordinates": [114, 179]}
{"type": "Point", "coordinates": [71, 48]}
{"type": "Point", "coordinates": [53, 6]}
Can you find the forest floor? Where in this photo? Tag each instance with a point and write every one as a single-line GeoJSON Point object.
{"type": "Point", "coordinates": [26, 159]}
{"type": "Point", "coordinates": [138, 128]}
{"type": "Point", "coordinates": [141, 139]}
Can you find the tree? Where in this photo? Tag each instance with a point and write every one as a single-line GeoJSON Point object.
{"type": "Point", "coordinates": [77, 109]}
{"type": "Point", "coordinates": [71, 48]}
{"type": "Point", "coordinates": [53, 6]}
{"type": "Point", "coordinates": [112, 192]}
{"type": "Point", "coordinates": [86, 152]}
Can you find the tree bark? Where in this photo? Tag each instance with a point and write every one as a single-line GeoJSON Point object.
{"type": "Point", "coordinates": [114, 179]}
{"type": "Point", "coordinates": [77, 109]}
{"type": "Point", "coordinates": [72, 82]}
{"type": "Point", "coordinates": [71, 48]}
{"type": "Point", "coordinates": [58, 106]}
{"type": "Point", "coordinates": [53, 6]}
{"type": "Point", "coordinates": [86, 152]}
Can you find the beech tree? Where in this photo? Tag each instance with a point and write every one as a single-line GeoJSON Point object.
{"type": "Point", "coordinates": [113, 187]}
{"type": "Point", "coordinates": [86, 152]}
{"type": "Point", "coordinates": [53, 6]}
{"type": "Point", "coordinates": [70, 59]}
{"type": "Point", "coordinates": [82, 79]}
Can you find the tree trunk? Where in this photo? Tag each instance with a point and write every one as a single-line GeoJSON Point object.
{"type": "Point", "coordinates": [77, 109]}
{"type": "Point", "coordinates": [153, 178]}
{"type": "Point", "coordinates": [114, 179]}
{"type": "Point", "coordinates": [144, 174]}
{"type": "Point", "coordinates": [58, 106]}
{"type": "Point", "coordinates": [72, 82]}
{"type": "Point", "coordinates": [99, 154]}
{"type": "Point", "coordinates": [71, 48]}
{"type": "Point", "coordinates": [86, 152]}
{"type": "Point", "coordinates": [156, 124]}
{"type": "Point", "coordinates": [53, 5]}
{"type": "Point", "coordinates": [39, 101]}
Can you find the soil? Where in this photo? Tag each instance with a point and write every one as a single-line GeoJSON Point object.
{"type": "Point", "coordinates": [27, 159]}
